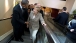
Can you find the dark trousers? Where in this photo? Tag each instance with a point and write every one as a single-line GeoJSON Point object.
{"type": "Point", "coordinates": [17, 32]}
{"type": "Point", "coordinates": [26, 29]}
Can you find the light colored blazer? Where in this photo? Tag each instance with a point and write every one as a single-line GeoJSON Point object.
{"type": "Point", "coordinates": [34, 23]}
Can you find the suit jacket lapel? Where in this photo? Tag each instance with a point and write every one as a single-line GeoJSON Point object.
{"type": "Point", "coordinates": [20, 10]}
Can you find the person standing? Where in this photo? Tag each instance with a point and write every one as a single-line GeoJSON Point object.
{"type": "Point", "coordinates": [40, 8]}
{"type": "Point", "coordinates": [18, 20]}
{"type": "Point", "coordinates": [71, 34]}
{"type": "Point", "coordinates": [34, 18]}
{"type": "Point", "coordinates": [62, 17]}
{"type": "Point", "coordinates": [25, 14]}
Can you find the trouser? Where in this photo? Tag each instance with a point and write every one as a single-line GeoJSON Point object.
{"type": "Point", "coordinates": [25, 28]}
{"type": "Point", "coordinates": [17, 33]}
{"type": "Point", "coordinates": [33, 34]}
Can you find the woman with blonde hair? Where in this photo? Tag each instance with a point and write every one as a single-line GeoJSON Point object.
{"type": "Point", "coordinates": [34, 18]}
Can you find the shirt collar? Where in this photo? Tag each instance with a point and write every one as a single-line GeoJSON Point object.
{"type": "Point", "coordinates": [64, 11]}
{"type": "Point", "coordinates": [20, 6]}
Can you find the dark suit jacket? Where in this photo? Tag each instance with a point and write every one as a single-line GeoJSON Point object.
{"type": "Point", "coordinates": [25, 14]}
{"type": "Point", "coordinates": [62, 18]}
{"type": "Point", "coordinates": [41, 11]}
{"type": "Point", "coordinates": [17, 17]}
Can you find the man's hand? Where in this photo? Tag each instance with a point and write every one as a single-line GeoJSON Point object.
{"type": "Point", "coordinates": [27, 26]}
{"type": "Point", "coordinates": [72, 30]}
{"type": "Point", "coordinates": [27, 23]}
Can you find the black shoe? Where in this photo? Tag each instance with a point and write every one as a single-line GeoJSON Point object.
{"type": "Point", "coordinates": [21, 40]}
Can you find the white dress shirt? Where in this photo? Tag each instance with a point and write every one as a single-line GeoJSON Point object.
{"type": "Point", "coordinates": [33, 16]}
{"type": "Point", "coordinates": [20, 6]}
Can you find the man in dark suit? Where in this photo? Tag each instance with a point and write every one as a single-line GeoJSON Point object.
{"type": "Point", "coordinates": [41, 11]}
{"type": "Point", "coordinates": [18, 19]}
{"type": "Point", "coordinates": [62, 18]}
{"type": "Point", "coordinates": [26, 14]}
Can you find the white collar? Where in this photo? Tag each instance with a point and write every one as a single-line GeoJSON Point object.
{"type": "Point", "coordinates": [64, 11]}
{"type": "Point", "coordinates": [20, 6]}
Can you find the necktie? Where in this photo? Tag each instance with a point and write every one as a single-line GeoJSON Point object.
{"type": "Point", "coordinates": [23, 9]}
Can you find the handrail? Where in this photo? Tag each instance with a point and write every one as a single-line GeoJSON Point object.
{"type": "Point", "coordinates": [41, 34]}
{"type": "Point", "coordinates": [5, 19]}
{"type": "Point", "coordinates": [5, 13]}
{"type": "Point", "coordinates": [63, 29]}
{"type": "Point", "coordinates": [62, 26]}
{"type": "Point", "coordinates": [12, 37]}
{"type": "Point", "coordinates": [50, 40]}
{"type": "Point", "coordinates": [51, 34]}
{"type": "Point", "coordinates": [59, 25]}
{"type": "Point", "coordinates": [55, 22]}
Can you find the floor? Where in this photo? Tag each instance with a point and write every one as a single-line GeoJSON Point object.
{"type": "Point", "coordinates": [26, 39]}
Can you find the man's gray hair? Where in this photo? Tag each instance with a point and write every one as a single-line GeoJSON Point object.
{"type": "Point", "coordinates": [24, 1]}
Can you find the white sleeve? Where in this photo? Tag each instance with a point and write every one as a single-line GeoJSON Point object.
{"type": "Point", "coordinates": [70, 23]}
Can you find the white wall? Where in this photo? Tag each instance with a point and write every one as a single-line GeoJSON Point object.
{"type": "Point", "coordinates": [33, 1]}
{"type": "Point", "coordinates": [49, 3]}
{"type": "Point", "coordinates": [53, 3]}
{"type": "Point", "coordinates": [69, 5]}
{"type": "Point", "coordinates": [56, 4]}
{"type": "Point", "coordinates": [6, 7]}
{"type": "Point", "coordinates": [2, 7]}
{"type": "Point", "coordinates": [74, 7]}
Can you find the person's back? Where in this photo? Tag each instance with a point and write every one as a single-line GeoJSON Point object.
{"type": "Point", "coordinates": [73, 20]}
{"type": "Point", "coordinates": [63, 18]}
{"type": "Point", "coordinates": [72, 29]}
